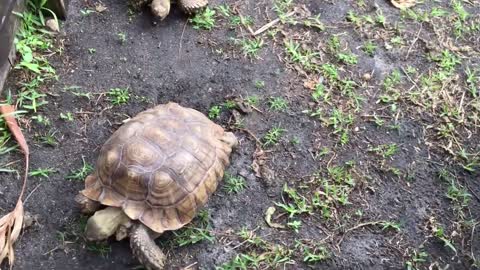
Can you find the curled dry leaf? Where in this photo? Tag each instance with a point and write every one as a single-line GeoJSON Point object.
{"type": "Point", "coordinates": [310, 84]}
{"type": "Point", "coordinates": [403, 3]}
{"type": "Point", "coordinates": [268, 218]}
{"type": "Point", "coordinates": [11, 223]}
{"type": "Point", "coordinates": [100, 7]}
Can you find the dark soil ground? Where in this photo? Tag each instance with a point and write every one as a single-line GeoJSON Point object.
{"type": "Point", "coordinates": [421, 188]}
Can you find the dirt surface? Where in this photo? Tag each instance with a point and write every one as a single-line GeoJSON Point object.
{"type": "Point", "coordinates": [171, 61]}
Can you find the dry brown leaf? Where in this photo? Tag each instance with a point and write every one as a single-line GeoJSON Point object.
{"type": "Point", "coordinates": [17, 226]}
{"type": "Point", "coordinates": [3, 237]}
{"type": "Point", "coordinates": [403, 3]}
{"type": "Point", "coordinates": [100, 7]}
{"type": "Point", "coordinates": [11, 223]}
{"type": "Point", "coordinates": [310, 84]}
{"type": "Point", "coordinates": [268, 218]}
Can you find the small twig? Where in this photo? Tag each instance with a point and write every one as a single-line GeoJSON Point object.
{"type": "Point", "coordinates": [181, 37]}
{"type": "Point", "coordinates": [355, 228]}
{"type": "Point", "coordinates": [331, 159]}
{"type": "Point", "coordinates": [460, 106]}
{"type": "Point", "coordinates": [471, 241]}
{"type": "Point", "coordinates": [252, 135]}
{"type": "Point", "coordinates": [256, 109]}
{"type": "Point", "coordinates": [378, 116]}
{"type": "Point", "coordinates": [10, 62]}
{"type": "Point", "coordinates": [270, 24]}
{"type": "Point", "coordinates": [31, 192]}
{"type": "Point", "coordinates": [414, 41]}
{"type": "Point", "coordinates": [99, 97]}
{"type": "Point", "coordinates": [50, 251]}
{"type": "Point", "coordinates": [473, 192]}
{"type": "Point", "coordinates": [243, 22]}
{"type": "Point", "coordinates": [410, 79]}
{"type": "Point", "coordinates": [190, 266]}
{"type": "Point", "coordinates": [239, 245]}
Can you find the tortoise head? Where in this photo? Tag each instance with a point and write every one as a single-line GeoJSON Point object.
{"type": "Point", "coordinates": [160, 8]}
{"type": "Point", "coordinates": [104, 223]}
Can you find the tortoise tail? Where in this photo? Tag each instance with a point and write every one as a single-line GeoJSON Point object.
{"type": "Point", "coordinates": [145, 249]}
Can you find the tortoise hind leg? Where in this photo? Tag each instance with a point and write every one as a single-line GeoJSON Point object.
{"type": "Point", "coordinates": [230, 139]}
{"type": "Point", "coordinates": [145, 249]}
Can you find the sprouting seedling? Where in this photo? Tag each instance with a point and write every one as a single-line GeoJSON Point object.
{"type": "Point", "coordinates": [122, 37]}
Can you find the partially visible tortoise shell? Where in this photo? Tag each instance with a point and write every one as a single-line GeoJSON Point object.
{"type": "Point", "coordinates": [192, 6]}
{"type": "Point", "coordinates": [161, 166]}
{"type": "Point", "coordinates": [188, 6]}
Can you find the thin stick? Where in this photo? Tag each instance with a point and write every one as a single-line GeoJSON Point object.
{"type": "Point", "coordinates": [31, 192]}
{"type": "Point", "coordinates": [252, 135]}
{"type": "Point", "coordinates": [270, 24]}
{"type": "Point", "coordinates": [414, 41]}
{"type": "Point", "coordinates": [190, 266]}
{"type": "Point", "coordinates": [410, 79]}
{"type": "Point", "coordinates": [50, 251]}
{"type": "Point", "coordinates": [355, 228]}
{"type": "Point", "coordinates": [473, 192]}
{"type": "Point", "coordinates": [471, 241]}
{"type": "Point", "coordinates": [181, 37]}
{"type": "Point", "coordinates": [243, 22]}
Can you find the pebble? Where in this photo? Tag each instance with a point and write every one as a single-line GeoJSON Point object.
{"type": "Point", "coordinates": [52, 24]}
{"type": "Point", "coordinates": [367, 77]}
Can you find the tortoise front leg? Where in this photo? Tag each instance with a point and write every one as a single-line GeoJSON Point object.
{"type": "Point", "coordinates": [145, 249]}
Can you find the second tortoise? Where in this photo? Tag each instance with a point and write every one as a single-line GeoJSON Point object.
{"type": "Point", "coordinates": [161, 8]}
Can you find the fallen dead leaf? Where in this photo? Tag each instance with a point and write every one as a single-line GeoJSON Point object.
{"type": "Point", "coordinates": [310, 84]}
{"type": "Point", "coordinates": [11, 223]}
{"type": "Point", "coordinates": [260, 168]}
{"type": "Point", "coordinates": [99, 7]}
{"type": "Point", "coordinates": [402, 4]}
{"type": "Point", "coordinates": [268, 219]}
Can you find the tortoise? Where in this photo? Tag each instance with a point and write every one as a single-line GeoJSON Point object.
{"type": "Point", "coordinates": [161, 8]}
{"type": "Point", "coordinates": [152, 175]}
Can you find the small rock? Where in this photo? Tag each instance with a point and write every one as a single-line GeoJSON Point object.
{"type": "Point", "coordinates": [367, 77]}
{"type": "Point", "coordinates": [52, 24]}
{"type": "Point", "coordinates": [29, 219]}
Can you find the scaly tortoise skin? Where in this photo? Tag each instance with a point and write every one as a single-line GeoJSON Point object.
{"type": "Point", "coordinates": [161, 8]}
{"type": "Point", "coordinates": [154, 173]}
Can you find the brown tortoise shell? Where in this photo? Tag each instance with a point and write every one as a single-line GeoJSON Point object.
{"type": "Point", "coordinates": [161, 166]}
